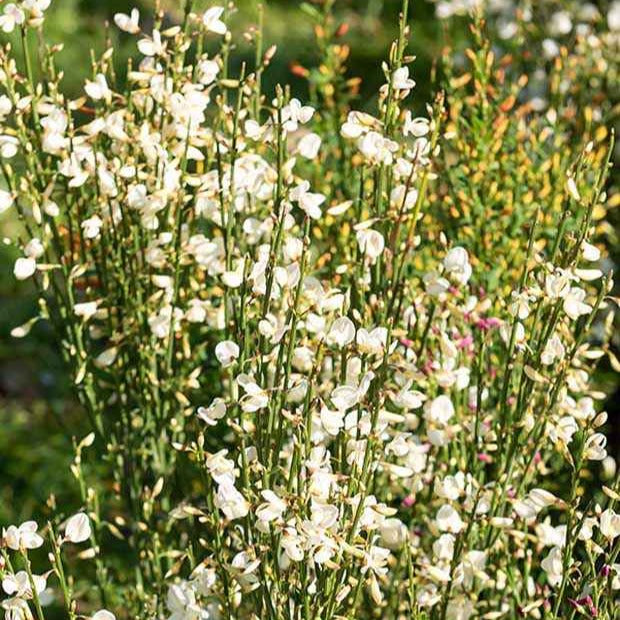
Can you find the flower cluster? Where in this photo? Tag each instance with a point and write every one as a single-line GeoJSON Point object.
{"type": "Point", "coordinates": [23, 587]}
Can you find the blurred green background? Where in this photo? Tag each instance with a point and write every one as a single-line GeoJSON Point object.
{"type": "Point", "coordinates": [372, 26]}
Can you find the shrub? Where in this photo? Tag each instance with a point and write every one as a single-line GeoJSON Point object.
{"type": "Point", "coordinates": [337, 365]}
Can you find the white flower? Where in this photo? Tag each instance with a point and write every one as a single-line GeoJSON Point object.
{"type": "Point", "coordinates": [439, 410]}
{"type": "Point", "coordinates": [451, 487]}
{"type": "Point", "coordinates": [92, 227]}
{"type": "Point", "coordinates": [36, 7]}
{"type": "Point", "coordinates": [294, 114]}
{"type": "Point", "coordinates": [408, 399]}
{"type": "Point", "coordinates": [212, 22]}
{"type": "Point", "coordinates": [128, 23]}
{"type": "Point", "coordinates": [98, 89]}
{"type": "Point", "coordinates": [587, 529]}
{"type": "Point", "coordinates": [358, 123]}
{"type": "Point", "coordinates": [167, 318]}
{"type": "Point", "coordinates": [554, 350]}
{"type": "Point", "coordinates": [255, 397]}
{"type": "Point", "coordinates": [34, 248]}
{"type": "Point", "coordinates": [16, 609]}
{"type": "Point", "coordinates": [220, 468]}
{"type": "Point", "coordinates": [204, 579]}
{"type": "Point", "coordinates": [557, 284]}
{"type": "Point", "coordinates": [153, 46]}
{"type": "Point", "coordinates": [103, 614]}
{"type": "Point", "coordinates": [272, 509]}
{"type": "Point", "coordinates": [550, 48]}
{"type": "Point", "coordinates": [560, 23]}
{"type": "Point", "coordinates": [372, 342]}
{"type": "Point", "coordinates": [588, 275]}
{"type": "Point", "coordinates": [5, 106]}
{"type": "Point", "coordinates": [613, 16]}
{"type": "Point", "coordinates": [375, 560]}
{"type": "Point", "coordinates": [564, 429]}
{"type": "Point", "coordinates": [456, 264]}
{"type": "Point", "coordinates": [309, 146]}
{"type": "Point", "coordinates": [86, 309]}
{"type": "Point", "coordinates": [371, 243]}
{"type": "Point", "coordinates": [435, 284]}
{"type": "Point", "coordinates": [574, 305]}
{"type": "Point", "coordinates": [19, 584]}
{"type": "Point", "coordinates": [536, 500]}
{"type": "Point", "coordinates": [417, 127]}
{"type": "Point", "coordinates": [332, 421]}
{"type": "Point", "coordinates": [376, 148]}
{"type": "Point", "coordinates": [460, 608]}
{"type": "Point", "coordinates": [520, 306]}
{"type": "Point", "coordinates": [181, 602]}
{"type": "Point", "coordinates": [594, 449]}
{"type": "Point", "coordinates": [230, 501]}
{"type": "Point", "coordinates": [208, 71]}
{"type": "Point", "coordinates": [403, 197]}
{"type": "Point", "coordinates": [234, 278]}
{"type": "Point", "coordinates": [214, 412]}
{"type": "Point", "coordinates": [393, 533]}
{"type": "Point", "coordinates": [23, 536]}
{"type": "Point", "coordinates": [51, 208]}
{"type": "Point", "coordinates": [583, 409]}
{"type": "Point", "coordinates": [292, 544]}
{"type": "Point", "coordinates": [244, 566]}
{"type": "Point", "coordinates": [196, 311]}
{"type": "Point", "coordinates": [443, 547]}
{"type": "Point", "coordinates": [401, 79]}
{"type": "Point", "coordinates": [553, 565]}
{"type": "Point", "coordinates": [9, 146]}
{"type": "Point", "coordinates": [351, 129]}
{"type": "Point", "coordinates": [308, 202]}
{"type": "Point", "coordinates": [6, 200]}
{"type": "Point", "coordinates": [472, 567]}
{"type": "Point", "coordinates": [346, 396]}
{"type": "Point", "coordinates": [24, 268]}
{"type": "Point", "coordinates": [252, 130]}
{"type": "Point", "coordinates": [54, 140]}
{"type": "Point", "coordinates": [448, 520]}
{"type": "Point", "coordinates": [12, 16]}
{"type": "Point", "coordinates": [226, 352]}
{"type": "Point", "coordinates": [550, 536]}
{"type": "Point", "coordinates": [610, 524]}
{"type": "Point", "coordinates": [78, 528]}
{"type": "Point", "coordinates": [342, 332]}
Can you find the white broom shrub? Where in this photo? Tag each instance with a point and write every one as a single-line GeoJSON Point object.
{"type": "Point", "coordinates": [311, 398]}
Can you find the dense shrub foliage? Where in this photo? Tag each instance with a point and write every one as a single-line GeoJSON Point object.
{"type": "Point", "coordinates": [335, 364]}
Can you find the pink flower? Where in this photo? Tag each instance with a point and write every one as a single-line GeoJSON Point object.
{"type": "Point", "coordinates": [487, 323]}
{"type": "Point", "coordinates": [409, 501]}
{"type": "Point", "coordinates": [465, 342]}
{"type": "Point", "coordinates": [586, 602]}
